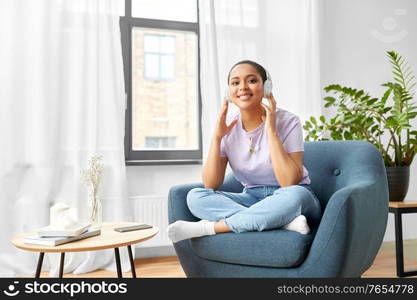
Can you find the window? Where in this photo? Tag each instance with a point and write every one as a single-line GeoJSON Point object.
{"type": "Point", "coordinates": [161, 59]}
{"type": "Point", "coordinates": [159, 56]}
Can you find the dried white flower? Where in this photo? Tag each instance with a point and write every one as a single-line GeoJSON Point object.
{"type": "Point", "coordinates": [92, 178]}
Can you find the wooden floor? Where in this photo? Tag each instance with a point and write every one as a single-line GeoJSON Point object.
{"type": "Point", "coordinates": [169, 267]}
{"type": "Point", "coordinates": [155, 267]}
{"type": "Point", "coordinates": [384, 266]}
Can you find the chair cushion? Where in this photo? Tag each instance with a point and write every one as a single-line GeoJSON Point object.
{"type": "Point", "coordinates": [273, 248]}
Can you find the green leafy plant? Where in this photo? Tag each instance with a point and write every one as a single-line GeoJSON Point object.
{"type": "Point", "coordinates": [359, 116]}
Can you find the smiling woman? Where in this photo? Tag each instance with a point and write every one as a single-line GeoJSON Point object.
{"type": "Point", "coordinates": [243, 89]}
{"type": "Point", "coordinates": [261, 76]}
{"type": "Point", "coordinates": [277, 191]}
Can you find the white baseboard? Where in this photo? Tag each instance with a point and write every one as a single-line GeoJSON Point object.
{"type": "Point", "coordinates": [160, 251]}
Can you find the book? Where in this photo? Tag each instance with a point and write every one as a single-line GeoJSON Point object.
{"type": "Point", "coordinates": [59, 240]}
{"type": "Point", "coordinates": [50, 231]}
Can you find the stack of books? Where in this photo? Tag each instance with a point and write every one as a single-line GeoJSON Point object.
{"type": "Point", "coordinates": [49, 236]}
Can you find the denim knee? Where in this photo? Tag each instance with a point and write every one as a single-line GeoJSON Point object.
{"type": "Point", "coordinates": [298, 190]}
{"type": "Point", "coordinates": [195, 196]}
{"type": "Point", "coordinates": [308, 202]}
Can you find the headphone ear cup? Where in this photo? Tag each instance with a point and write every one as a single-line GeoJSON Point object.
{"type": "Point", "coordinates": [226, 95]}
{"type": "Point", "coordinates": [267, 87]}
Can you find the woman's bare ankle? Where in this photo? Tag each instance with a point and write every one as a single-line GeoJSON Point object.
{"type": "Point", "coordinates": [221, 227]}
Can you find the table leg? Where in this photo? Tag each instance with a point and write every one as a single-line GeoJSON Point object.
{"type": "Point", "coordinates": [399, 248]}
{"type": "Point", "coordinates": [399, 243]}
{"type": "Point", "coordinates": [118, 266]}
{"type": "Point", "coordinates": [61, 265]}
{"type": "Point", "coordinates": [132, 263]}
{"type": "Point", "coordinates": [39, 267]}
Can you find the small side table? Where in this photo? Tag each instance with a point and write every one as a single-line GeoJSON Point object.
{"type": "Point", "coordinates": [398, 208]}
{"type": "Point", "coordinates": [108, 239]}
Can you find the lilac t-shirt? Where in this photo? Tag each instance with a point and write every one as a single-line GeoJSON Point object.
{"type": "Point", "coordinates": [248, 153]}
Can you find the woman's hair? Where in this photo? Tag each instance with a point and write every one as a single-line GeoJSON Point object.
{"type": "Point", "coordinates": [261, 70]}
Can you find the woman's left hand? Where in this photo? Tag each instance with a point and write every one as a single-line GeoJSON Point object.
{"type": "Point", "coordinates": [269, 117]}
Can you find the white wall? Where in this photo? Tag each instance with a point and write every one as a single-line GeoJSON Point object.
{"type": "Point", "coordinates": [157, 180]}
{"type": "Point", "coordinates": [356, 34]}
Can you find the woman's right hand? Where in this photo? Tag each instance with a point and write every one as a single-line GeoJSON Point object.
{"type": "Point", "coordinates": [221, 127]}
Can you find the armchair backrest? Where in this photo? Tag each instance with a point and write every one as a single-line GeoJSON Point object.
{"type": "Point", "coordinates": [333, 165]}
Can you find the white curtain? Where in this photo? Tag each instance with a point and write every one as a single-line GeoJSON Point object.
{"type": "Point", "coordinates": [281, 35]}
{"type": "Point", "coordinates": [62, 100]}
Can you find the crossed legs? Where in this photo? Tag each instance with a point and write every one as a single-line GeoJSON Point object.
{"type": "Point", "coordinates": [239, 212]}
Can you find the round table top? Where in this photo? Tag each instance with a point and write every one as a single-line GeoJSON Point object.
{"type": "Point", "coordinates": [402, 204]}
{"type": "Point", "coordinates": [109, 238]}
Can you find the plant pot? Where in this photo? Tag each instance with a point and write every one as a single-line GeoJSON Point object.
{"type": "Point", "coordinates": [398, 180]}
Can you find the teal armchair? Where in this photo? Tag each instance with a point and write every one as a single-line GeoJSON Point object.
{"type": "Point", "coordinates": [350, 181]}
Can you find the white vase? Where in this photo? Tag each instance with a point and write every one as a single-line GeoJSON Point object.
{"type": "Point", "coordinates": [95, 211]}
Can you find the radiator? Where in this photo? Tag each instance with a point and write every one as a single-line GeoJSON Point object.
{"type": "Point", "coordinates": [153, 210]}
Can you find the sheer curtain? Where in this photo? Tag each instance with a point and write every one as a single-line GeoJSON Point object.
{"type": "Point", "coordinates": [62, 100]}
{"type": "Point", "coordinates": [282, 35]}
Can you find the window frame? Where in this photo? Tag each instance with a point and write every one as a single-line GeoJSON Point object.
{"type": "Point", "coordinates": [156, 157]}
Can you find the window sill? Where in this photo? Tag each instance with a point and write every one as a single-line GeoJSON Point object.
{"type": "Point", "coordinates": [164, 162]}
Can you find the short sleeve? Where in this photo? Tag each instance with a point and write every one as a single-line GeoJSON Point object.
{"type": "Point", "coordinates": [294, 141]}
{"type": "Point", "coordinates": [223, 148]}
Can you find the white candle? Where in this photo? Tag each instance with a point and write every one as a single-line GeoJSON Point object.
{"type": "Point", "coordinates": [57, 211]}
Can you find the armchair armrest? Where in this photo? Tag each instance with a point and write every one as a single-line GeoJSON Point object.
{"type": "Point", "coordinates": [177, 203]}
{"type": "Point", "coordinates": [177, 198]}
{"type": "Point", "coordinates": [350, 232]}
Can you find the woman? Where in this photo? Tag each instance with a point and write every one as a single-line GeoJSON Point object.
{"type": "Point", "coordinates": [264, 147]}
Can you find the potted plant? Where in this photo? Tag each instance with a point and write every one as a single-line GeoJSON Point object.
{"type": "Point", "coordinates": [384, 122]}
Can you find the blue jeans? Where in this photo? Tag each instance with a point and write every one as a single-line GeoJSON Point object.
{"type": "Point", "coordinates": [255, 209]}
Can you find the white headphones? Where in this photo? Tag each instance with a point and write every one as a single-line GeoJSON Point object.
{"type": "Point", "coordinates": [267, 88]}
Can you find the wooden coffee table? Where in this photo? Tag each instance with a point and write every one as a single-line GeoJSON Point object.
{"type": "Point", "coordinates": [106, 240]}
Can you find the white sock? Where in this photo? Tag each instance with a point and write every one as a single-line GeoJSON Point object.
{"type": "Point", "coordinates": [299, 224]}
{"type": "Point", "coordinates": [181, 230]}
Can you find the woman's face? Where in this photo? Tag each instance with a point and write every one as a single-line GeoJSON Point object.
{"type": "Point", "coordinates": [246, 87]}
